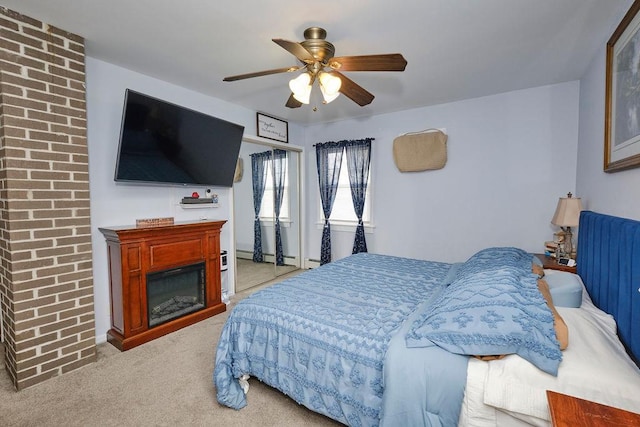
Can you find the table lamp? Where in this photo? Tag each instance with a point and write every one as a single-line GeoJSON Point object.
{"type": "Point", "coordinates": [567, 215]}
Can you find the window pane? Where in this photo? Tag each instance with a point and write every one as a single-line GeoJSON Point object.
{"type": "Point", "coordinates": [343, 204]}
{"type": "Point", "coordinates": [266, 207]}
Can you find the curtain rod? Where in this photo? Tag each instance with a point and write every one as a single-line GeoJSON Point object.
{"type": "Point", "coordinates": [373, 139]}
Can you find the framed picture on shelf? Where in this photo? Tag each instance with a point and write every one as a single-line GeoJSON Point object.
{"type": "Point", "coordinates": [272, 128]}
{"type": "Point", "coordinates": [622, 95]}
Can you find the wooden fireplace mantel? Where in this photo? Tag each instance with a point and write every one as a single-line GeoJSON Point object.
{"type": "Point", "coordinates": [135, 252]}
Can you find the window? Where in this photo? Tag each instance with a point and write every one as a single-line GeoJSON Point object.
{"type": "Point", "coordinates": [266, 207]}
{"type": "Point", "coordinates": [343, 212]}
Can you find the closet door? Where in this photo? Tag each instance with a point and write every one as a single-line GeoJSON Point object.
{"type": "Point", "coordinates": [289, 215]}
{"type": "Point", "coordinates": [251, 268]}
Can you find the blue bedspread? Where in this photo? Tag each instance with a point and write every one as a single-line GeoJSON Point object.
{"type": "Point", "coordinates": [322, 338]}
{"type": "Point", "coordinates": [423, 386]}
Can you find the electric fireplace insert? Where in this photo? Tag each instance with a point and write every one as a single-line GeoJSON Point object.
{"type": "Point", "coordinates": [175, 293]}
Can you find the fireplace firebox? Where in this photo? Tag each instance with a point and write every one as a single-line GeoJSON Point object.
{"type": "Point", "coordinates": [174, 293]}
{"type": "Point", "coordinates": [161, 279]}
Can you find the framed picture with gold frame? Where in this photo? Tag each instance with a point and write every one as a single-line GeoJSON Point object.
{"type": "Point", "coordinates": [622, 95]}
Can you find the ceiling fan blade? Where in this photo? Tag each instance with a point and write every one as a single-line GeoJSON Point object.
{"type": "Point", "coordinates": [354, 91]}
{"type": "Point", "coordinates": [261, 73]}
{"type": "Point", "coordinates": [297, 50]}
{"type": "Point", "coordinates": [386, 62]}
{"type": "Point", "coordinates": [293, 103]}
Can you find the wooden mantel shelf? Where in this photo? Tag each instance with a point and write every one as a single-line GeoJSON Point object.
{"type": "Point", "coordinates": [135, 252]}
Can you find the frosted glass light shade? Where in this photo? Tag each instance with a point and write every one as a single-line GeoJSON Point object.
{"type": "Point", "coordinates": [330, 83]}
{"type": "Point", "coordinates": [328, 98]}
{"type": "Point", "coordinates": [329, 86]}
{"type": "Point", "coordinates": [301, 88]}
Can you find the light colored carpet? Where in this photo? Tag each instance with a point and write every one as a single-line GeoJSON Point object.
{"type": "Point", "coordinates": [250, 274]}
{"type": "Point", "coordinates": [166, 382]}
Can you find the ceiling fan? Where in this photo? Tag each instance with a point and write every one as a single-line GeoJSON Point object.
{"type": "Point", "coordinates": [319, 64]}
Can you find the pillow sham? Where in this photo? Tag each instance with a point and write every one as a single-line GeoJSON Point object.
{"type": "Point", "coordinates": [491, 313]}
{"type": "Point", "coordinates": [559, 325]}
{"type": "Point", "coordinates": [493, 258]}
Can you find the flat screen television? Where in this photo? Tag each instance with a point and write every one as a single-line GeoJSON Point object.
{"type": "Point", "coordinates": [163, 143]}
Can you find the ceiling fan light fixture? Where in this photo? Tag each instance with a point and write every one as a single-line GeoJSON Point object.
{"type": "Point", "coordinates": [329, 82]}
{"type": "Point", "coordinates": [329, 86]}
{"type": "Point", "coordinates": [328, 96]}
{"type": "Point", "coordinates": [301, 87]}
{"type": "Point", "coordinates": [303, 95]}
{"type": "Point", "coordinates": [317, 54]}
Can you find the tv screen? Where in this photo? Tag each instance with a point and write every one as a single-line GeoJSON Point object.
{"type": "Point", "coordinates": [163, 143]}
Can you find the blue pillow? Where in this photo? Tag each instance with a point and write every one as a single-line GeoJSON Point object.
{"type": "Point", "coordinates": [491, 313]}
{"type": "Point", "coordinates": [565, 288]}
{"type": "Point", "coordinates": [490, 259]}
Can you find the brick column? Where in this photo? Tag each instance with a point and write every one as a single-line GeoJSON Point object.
{"type": "Point", "coordinates": [46, 276]}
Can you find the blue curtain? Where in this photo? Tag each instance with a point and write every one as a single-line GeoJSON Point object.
{"type": "Point", "coordinates": [358, 154]}
{"type": "Point", "coordinates": [259, 179]}
{"type": "Point", "coordinates": [328, 162]}
{"type": "Point", "coordinates": [279, 173]}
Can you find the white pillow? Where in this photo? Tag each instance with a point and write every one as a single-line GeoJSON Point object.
{"type": "Point", "coordinates": [595, 367]}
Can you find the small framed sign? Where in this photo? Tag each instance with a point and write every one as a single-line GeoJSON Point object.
{"type": "Point", "coordinates": [272, 128]}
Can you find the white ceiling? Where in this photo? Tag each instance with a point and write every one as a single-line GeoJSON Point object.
{"type": "Point", "coordinates": [455, 49]}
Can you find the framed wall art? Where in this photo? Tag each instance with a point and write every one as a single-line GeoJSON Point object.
{"type": "Point", "coordinates": [272, 128]}
{"type": "Point", "coordinates": [622, 95]}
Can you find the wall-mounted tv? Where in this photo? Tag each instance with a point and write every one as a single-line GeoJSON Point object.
{"type": "Point", "coordinates": [163, 143]}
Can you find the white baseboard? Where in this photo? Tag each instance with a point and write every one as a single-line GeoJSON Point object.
{"type": "Point", "coordinates": [102, 338]}
{"type": "Point", "coordinates": [288, 260]}
{"type": "Point", "coordinates": [244, 254]}
{"type": "Point", "coordinates": [311, 263]}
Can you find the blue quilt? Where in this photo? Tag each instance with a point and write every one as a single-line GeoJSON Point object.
{"type": "Point", "coordinates": [322, 338]}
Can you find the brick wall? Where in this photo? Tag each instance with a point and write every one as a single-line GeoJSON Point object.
{"type": "Point", "coordinates": [46, 277]}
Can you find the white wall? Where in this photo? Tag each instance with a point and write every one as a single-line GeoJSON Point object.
{"type": "Point", "coordinates": [609, 193]}
{"type": "Point", "coordinates": [119, 204]}
{"type": "Point", "coordinates": [510, 157]}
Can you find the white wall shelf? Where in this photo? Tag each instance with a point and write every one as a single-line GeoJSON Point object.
{"type": "Point", "coordinates": [198, 205]}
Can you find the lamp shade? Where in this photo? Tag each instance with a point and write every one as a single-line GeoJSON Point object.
{"type": "Point", "coordinates": [567, 212]}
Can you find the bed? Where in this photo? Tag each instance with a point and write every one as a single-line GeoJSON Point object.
{"type": "Point", "coordinates": [381, 340]}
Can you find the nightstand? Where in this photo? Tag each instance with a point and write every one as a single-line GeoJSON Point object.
{"type": "Point", "coordinates": [569, 411]}
{"type": "Point", "coordinates": [550, 263]}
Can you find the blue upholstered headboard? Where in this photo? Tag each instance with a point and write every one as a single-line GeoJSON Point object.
{"type": "Point", "coordinates": [609, 265]}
